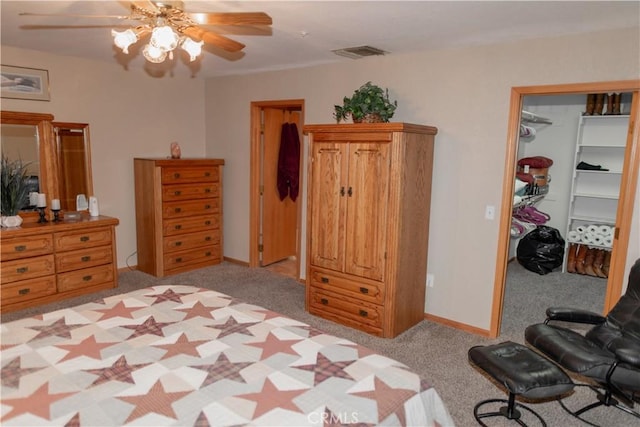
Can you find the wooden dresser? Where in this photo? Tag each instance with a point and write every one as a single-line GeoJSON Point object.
{"type": "Point", "coordinates": [42, 263]}
{"type": "Point", "coordinates": [178, 214]}
{"type": "Point", "coordinates": [369, 192]}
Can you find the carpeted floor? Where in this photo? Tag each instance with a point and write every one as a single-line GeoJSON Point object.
{"type": "Point", "coordinates": [436, 352]}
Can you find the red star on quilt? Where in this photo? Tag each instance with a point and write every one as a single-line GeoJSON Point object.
{"type": "Point", "coordinates": [270, 397]}
{"type": "Point", "coordinates": [12, 372]}
{"type": "Point", "coordinates": [198, 310]}
{"type": "Point", "coordinates": [156, 400]}
{"type": "Point", "coordinates": [274, 345]}
{"type": "Point", "coordinates": [223, 369]}
{"type": "Point", "coordinates": [118, 310]}
{"type": "Point", "coordinates": [58, 328]}
{"type": "Point", "coordinates": [119, 371]}
{"type": "Point", "coordinates": [150, 326]}
{"type": "Point", "coordinates": [87, 347]}
{"type": "Point", "coordinates": [27, 404]}
{"type": "Point", "coordinates": [181, 346]}
{"type": "Point", "coordinates": [325, 368]}
{"type": "Point", "coordinates": [388, 398]}
{"type": "Point", "coordinates": [232, 327]}
{"type": "Point", "coordinates": [167, 295]}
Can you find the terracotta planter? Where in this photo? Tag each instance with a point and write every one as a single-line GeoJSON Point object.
{"type": "Point", "coordinates": [369, 118]}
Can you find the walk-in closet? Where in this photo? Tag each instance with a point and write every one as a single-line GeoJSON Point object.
{"type": "Point", "coordinates": [570, 155]}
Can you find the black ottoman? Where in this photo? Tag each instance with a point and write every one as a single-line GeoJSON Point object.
{"type": "Point", "coordinates": [523, 372]}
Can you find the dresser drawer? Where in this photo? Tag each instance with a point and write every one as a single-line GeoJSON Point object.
{"type": "Point", "coordinates": [190, 208]}
{"type": "Point", "coordinates": [28, 289]}
{"type": "Point", "coordinates": [182, 242]}
{"type": "Point", "coordinates": [83, 258]}
{"type": "Point", "coordinates": [190, 257]}
{"type": "Point", "coordinates": [84, 278]}
{"type": "Point", "coordinates": [360, 312]}
{"type": "Point", "coordinates": [362, 289]}
{"type": "Point", "coordinates": [171, 193]}
{"type": "Point", "coordinates": [27, 268]}
{"type": "Point", "coordinates": [26, 247]}
{"type": "Point", "coordinates": [71, 240]}
{"type": "Point", "coordinates": [171, 175]}
{"type": "Point", "coordinates": [189, 224]}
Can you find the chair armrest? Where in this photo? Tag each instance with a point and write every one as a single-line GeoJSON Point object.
{"type": "Point", "coordinates": [574, 315]}
{"type": "Point", "coordinates": [628, 356]}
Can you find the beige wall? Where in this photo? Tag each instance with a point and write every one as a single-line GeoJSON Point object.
{"type": "Point", "coordinates": [130, 114]}
{"type": "Point", "coordinates": [465, 94]}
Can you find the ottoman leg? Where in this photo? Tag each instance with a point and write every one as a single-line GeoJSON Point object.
{"type": "Point", "coordinates": [510, 411]}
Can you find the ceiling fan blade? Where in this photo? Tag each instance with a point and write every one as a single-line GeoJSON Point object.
{"type": "Point", "coordinates": [71, 15]}
{"type": "Point", "coordinates": [214, 39]}
{"type": "Point", "coordinates": [239, 18]}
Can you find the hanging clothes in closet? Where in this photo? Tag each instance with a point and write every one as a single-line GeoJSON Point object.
{"type": "Point", "coordinates": [289, 162]}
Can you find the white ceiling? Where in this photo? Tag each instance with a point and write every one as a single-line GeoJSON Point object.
{"type": "Point", "coordinates": [305, 32]}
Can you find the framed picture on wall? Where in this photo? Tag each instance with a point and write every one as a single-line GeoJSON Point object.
{"type": "Point", "coordinates": [24, 83]}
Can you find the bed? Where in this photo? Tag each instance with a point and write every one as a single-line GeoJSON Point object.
{"type": "Point", "coordinates": [186, 356]}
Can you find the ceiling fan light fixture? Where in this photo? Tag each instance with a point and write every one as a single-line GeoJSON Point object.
{"type": "Point", "coordinates": [154, 54]}
{"type": "Point", "coordinates": [124, 39]}
{"type": "Point", "coordinates": [194, 49]}
{"type": "Point", "coordinates": [164, 38]}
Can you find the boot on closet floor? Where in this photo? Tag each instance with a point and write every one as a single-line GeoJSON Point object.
{"type": "Point", "coordinates": [591, 104]}
{"type": "Point", "coordinates": [580, 256]}
{"type": "Point", "coordinates": [571, 258]}
{"type": "Point", "coordinates": [606, 263]}
{"type": "Point", "coordinates": [600, 101]}
{"type": "Point", "coordinates": [598, 263]}
{"type": "Point", "coordinates": [616, 103]}
{"type": "Point", "coordinates": [588, 262]}
{"type": "Point", "coordinates": [610, 101]}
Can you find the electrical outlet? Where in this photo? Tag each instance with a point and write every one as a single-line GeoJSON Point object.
{"type": "Point", "coordinates": [430, 280]}
{"type": "Point", "coordinates": [490, 212]}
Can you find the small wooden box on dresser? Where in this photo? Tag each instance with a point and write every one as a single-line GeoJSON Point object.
{"type": "Point", "coordinates": [178, 214]}
{"type": "Point", "coordinates": [42, 263]}
{"type": "Point", "coordinates": [369, 196]}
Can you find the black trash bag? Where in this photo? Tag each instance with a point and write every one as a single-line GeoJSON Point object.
{"type": "Point", "coordinates": [541, 250]}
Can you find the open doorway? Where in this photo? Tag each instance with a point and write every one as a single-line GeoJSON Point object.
{"type": "Point", "coordinates": [275, 225]}
{"type": "Point", "coordinates": [625, 205]}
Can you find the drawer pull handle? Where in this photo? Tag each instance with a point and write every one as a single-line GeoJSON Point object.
{"type": "Point", "coordinates": [208, 253]}
{"type": "Point", "coordinates": [85, 258]}
{"type": "Point", "coordinates": [24, 291]}
{"type": "Point", "coordinates": [178, 259]}
{"type": "Point", "coordinates": [324, 301]}
{"type": "Point", "coordinates": [84, 239]}
{"type": "Point", "coordinates": [177, 193]}
{"type": "Point", "coordinates": [207, 174]}
{"type": "Point", "coordinates": [20, 248]}
{"type": "Point", "coordinates": [207, 239]}
{"type": "Point", "coordinates": [178, 243]}
{"type": "Point", "coordinates": [178, 227]}
{"type": "Point", "coordinates": [363, 313]}
{"type": "Point", "coordinates": [207, 222]}
{"type": "Point", "coordinates": [178, 210]}
{"type": "Point", "coordinates": [87, 278]}
{"type": "Point", "coordinates": [207, 190]}
{"type": "Point", "coordinates": [22, 269]}
{"type": "Point", "coordinates": [324, 280]}
{"type": "Point", "coordinates": [207, 206]}
{"type": "Point", "coordinates": [176, 175]}
{"type": "Point", "coordinates": [364, 290]}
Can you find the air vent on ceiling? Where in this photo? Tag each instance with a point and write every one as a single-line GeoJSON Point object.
{"type": "Point", "coordinates": [359, 52]}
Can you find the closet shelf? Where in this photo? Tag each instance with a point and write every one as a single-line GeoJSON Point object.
{"type": "Point", "coordinates": [599, 220]}
{"type": "Point", "coordinates": [534, 118]}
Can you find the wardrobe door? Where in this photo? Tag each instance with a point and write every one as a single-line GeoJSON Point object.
{"type": "Point", "coordinates": [367, 201]}
{"type": "Point", "coordinates": [327, 192]}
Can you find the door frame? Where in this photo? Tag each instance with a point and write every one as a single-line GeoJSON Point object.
{"type": "Point", "coordinates": [628, 185]}
{"type": "Point", "coordinates": [255, 174]}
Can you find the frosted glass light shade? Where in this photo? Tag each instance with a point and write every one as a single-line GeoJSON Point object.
{"type": "Point", "coordinates": [192, 48]}
{"type": "Point", "coordinates": [154, 54]}
{"type": "Point", "coordinates": [164, 38]}
{"type": "Point", "coordinates": [124, 39]}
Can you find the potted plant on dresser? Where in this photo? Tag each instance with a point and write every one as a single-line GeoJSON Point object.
{"type": "Point", "coordinates": [369, 104]}
{"type": "Point", "coordinates": [14, 188]}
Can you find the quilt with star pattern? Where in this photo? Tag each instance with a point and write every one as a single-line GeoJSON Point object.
{"type": "Point", "coordinates": [185, 356]}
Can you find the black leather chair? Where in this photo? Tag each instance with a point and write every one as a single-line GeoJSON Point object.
{"type": "Point", "coordinates": [608, 354]}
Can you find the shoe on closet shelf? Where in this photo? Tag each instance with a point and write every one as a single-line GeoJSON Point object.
{"type": "Point", "coordinates": [589, 167]}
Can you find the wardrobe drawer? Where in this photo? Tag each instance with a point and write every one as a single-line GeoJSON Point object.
{"type": "Point", "coordinates": [71, 240]}
{"type": "Point", "coordinates": [344, 307]}
{"type": "Point", "coordinates": [171, 175]}
{"type": "Point", "coordinates": [189, 224]}
{"type": "Point", "coordinates": [190, 208]}
{"type": "Point", "coordinates": [182, 242]}
{"type": "Point", "coordinates": [176, 260]}
{"type": "Point", "coordinates": [26, 247]}
{"type": "Point", "coordinates": [172, 193]}
{"type": "Point", "coordinates": [362, 289]}
{"type": "Point", "coordinates": [83, 258]}
{"type": "Point", "coordinates": [27, 268]}
{"type": "Point", "coordinates": [28, 289]}
{"type": "Point", "coordinates": [84, 278]}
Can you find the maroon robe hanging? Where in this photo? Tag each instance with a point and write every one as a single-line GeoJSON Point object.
{"type": "Point", "coordinates": [289, 162]}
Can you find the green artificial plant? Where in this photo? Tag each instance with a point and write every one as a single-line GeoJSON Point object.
{"type": "Point", "coordinates": [13, 185]}
{"type": "Point", "coordinates": [369, 103]}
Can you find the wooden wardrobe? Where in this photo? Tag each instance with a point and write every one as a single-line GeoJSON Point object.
{"type": "Point", "coordinates": [369, 193]}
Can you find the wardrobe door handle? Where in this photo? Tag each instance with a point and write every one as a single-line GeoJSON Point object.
{"type": "Point", "coordinates": [342, 191]}
{"type": "Point", "coordinates": [350, 192]}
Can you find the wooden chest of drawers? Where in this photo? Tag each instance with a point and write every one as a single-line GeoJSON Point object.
{"type": "Point", "coordinates": [42, 263]}
{"type": "Point", "coordinates": [178, 214]}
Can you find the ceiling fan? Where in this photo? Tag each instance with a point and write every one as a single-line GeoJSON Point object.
{"type": "Point", "coordinates": [170, 26]}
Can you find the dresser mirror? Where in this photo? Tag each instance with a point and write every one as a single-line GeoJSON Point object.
{"type": "Point", "coordinates": [58, 154]}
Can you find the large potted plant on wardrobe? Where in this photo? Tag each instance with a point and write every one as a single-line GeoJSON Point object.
{"type": "Point", "coordinates": [368, 104]}
{"type": "Point", "coordinates": [14, 188]}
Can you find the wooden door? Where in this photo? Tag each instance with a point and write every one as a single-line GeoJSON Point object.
{"type": "Point", "coordinates": [367, 201]}
{"type": "Point", "coordinates": [279, 219]}
{"type": "Point", "coordinates": [328, 197]}
{"type": "Point", "coordinates": [71, 158]}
